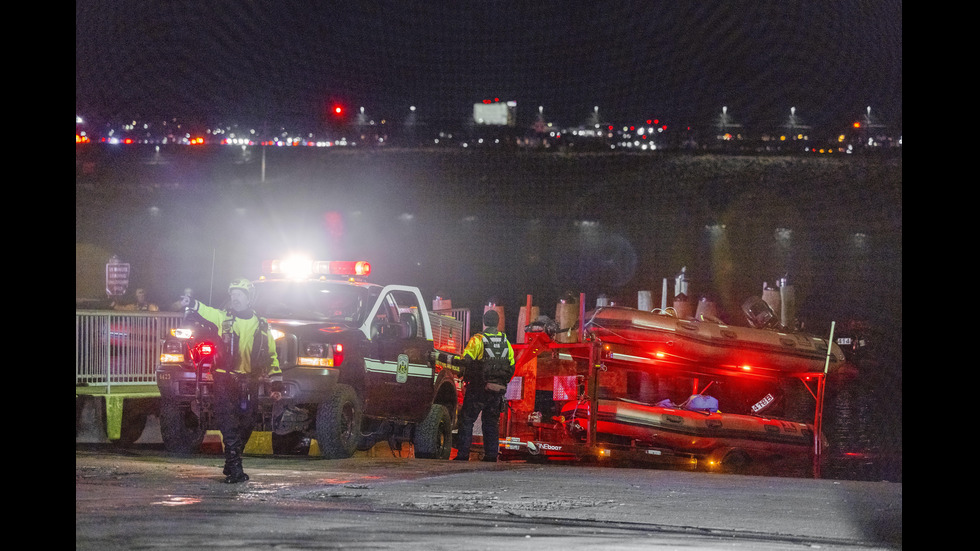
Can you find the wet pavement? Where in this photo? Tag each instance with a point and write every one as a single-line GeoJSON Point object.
{"type": "Point", "coordinates": [146, 498]}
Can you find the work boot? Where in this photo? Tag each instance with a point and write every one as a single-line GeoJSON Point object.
{"type": "Point", "coordinates": [462, 457]}
{"type": "Point", "coordinates": [234, 474]}
{"type": "Point", "coordinates": [235, 478]}
{"type": "Point", "coordinates": [489, 459]}
{"type": "Point", "coordinates": [233, 469]}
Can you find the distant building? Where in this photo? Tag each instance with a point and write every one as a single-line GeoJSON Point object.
{"type": "Point", "coordinates": [495, 113]}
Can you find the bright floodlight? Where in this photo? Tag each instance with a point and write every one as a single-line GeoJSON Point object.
{"type": "Point", "coordinates": [296, 266]}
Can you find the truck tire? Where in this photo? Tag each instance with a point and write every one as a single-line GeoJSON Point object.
{"type": "Point", "coordinates": [338, 423]}
{"type": "Point", "coordinates": [180, 428]}
{"type": "Point", "coordinates": [135, 414]}
{"type": "Point", "coordinates": [434, 435]}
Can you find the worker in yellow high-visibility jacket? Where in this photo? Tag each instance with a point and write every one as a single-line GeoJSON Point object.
{"type": "Point", "coordinates": [247, 354]}
{"type": "Point", "coordinates": [488, 362]}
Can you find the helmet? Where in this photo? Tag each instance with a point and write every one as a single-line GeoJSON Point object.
{"type": "Point", "coordinates": [491, 318]}
{"type": "Point", "coordinates": [244, 285]}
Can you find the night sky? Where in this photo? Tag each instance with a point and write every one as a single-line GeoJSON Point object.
{"type": "Point", "coordinates": [679, 61]}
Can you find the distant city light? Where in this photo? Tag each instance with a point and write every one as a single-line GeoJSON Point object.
{"type": "Point", "coordinates": [864, 133]}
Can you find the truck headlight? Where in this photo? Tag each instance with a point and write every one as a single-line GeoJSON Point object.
{"type": "Point", "coordinates": [315, 354]}
{"type": "Point", "coordinates": [318, 354]}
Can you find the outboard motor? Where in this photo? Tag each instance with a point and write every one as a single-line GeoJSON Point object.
{"type": "Point", "coordinates": [759, 314]}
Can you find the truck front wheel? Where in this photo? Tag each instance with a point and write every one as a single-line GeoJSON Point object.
{"type": "Point", "coordinates": [338, 423]}
{"type": "Point", "coordinates": [135, 413]}
{"type": "Point", "coordinates": [180, 428]}
{"type": "Point", "coordinates": [434, 436]}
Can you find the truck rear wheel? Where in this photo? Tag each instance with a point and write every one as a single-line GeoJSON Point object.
{"type": "Point", "coordinates": [434, 436]}
{"type": "Point", "coordinates": [180, 428]}
{"type": "Point", "coordinates": [338, 423]}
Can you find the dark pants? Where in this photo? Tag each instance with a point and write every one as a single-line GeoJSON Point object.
{"type": "Point", "coordinates": [235, 414]}
{"type": "Point", "coordinates": [478, 400]}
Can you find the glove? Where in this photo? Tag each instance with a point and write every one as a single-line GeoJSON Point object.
{"type": "Point", "coordinates": [276, 388]}
{"type": "Point", "coordinates": [438, 356]}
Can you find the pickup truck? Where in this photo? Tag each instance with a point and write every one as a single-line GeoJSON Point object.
{"type": "Point", "coordinates": [362, 363]}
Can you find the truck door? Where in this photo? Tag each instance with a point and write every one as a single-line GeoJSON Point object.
{"type": "Point", "coordinates": [398, 374]}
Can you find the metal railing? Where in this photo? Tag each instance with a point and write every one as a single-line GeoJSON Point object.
{"type": "Point", "coordinates": [119, 348]}
{"type": "Point", "coordinates": [115, 348]}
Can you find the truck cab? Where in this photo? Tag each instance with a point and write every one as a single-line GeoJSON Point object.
{"type": "Point", "coordinates": [359, 365]}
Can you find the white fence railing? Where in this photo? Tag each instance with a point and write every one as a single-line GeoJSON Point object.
{"type": "Point", "coordinates": [119, 348]}
{"type": "Point", "coordinates": [122, 348]}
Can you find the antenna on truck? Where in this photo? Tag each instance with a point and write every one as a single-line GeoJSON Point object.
{"type": "Point", "coordinates": [211, 288]}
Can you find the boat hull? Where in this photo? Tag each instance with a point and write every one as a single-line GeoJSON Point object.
{"type": "Point", "coordinates": [713, 436]}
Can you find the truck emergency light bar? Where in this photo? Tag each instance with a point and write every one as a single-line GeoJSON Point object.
{"type": "Point", "coordinates": [302, 268]}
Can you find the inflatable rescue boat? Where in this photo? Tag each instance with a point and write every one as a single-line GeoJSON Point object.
{"type": "Point", "coordinates": [700, 433]}
{"type": "Point", "coordinates": [633, 335]}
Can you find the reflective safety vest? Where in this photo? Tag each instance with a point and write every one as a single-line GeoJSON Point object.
{"type": "Point", "coordinates": [497, 359]}
{"type": "Point", "coordinates": [247, 345]}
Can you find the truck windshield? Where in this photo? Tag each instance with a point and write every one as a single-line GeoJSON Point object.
{"type": "Point", "coordinates": [311, 300]}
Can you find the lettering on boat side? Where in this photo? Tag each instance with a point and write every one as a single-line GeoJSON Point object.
{"type": "Point", "coordinates": [761, 404]}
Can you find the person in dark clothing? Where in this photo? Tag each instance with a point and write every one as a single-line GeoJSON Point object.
{"type": "Point", "coordinates": [248, 355]}
{"type": "Point", "coordinates": [488, 363]}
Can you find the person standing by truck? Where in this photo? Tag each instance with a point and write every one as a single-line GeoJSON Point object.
{"type": "Point", "coordinates": [488, 365]}
{"type": "Point", "coordinates": [247, 355]}
{"type": "Point", "coordinates": [141, 304]}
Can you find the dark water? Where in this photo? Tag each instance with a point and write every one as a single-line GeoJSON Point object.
{"type": "Point", "coordinates": [863, 418]}
{"type": "Point", "coordinates": [476, 225]}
